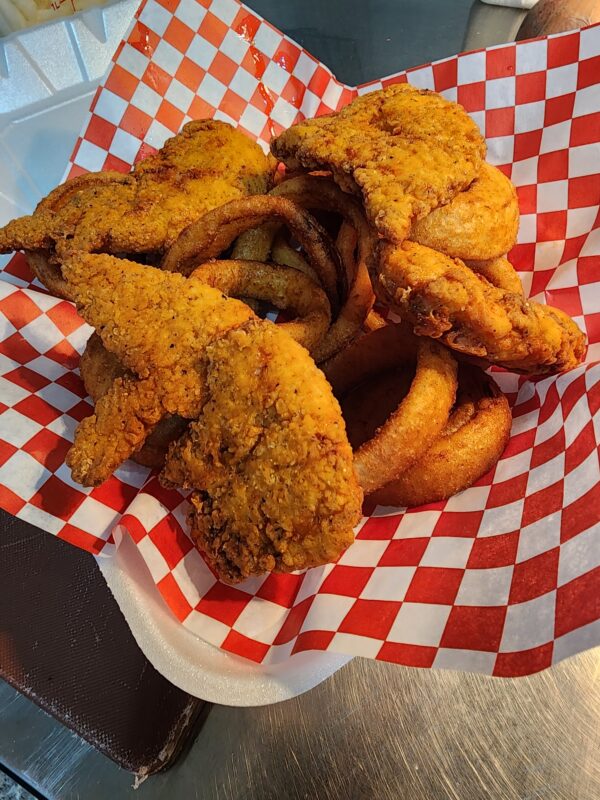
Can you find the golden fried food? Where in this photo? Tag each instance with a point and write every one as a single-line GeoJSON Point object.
{"type": "Point", "coordinates": [282, 287]}
{"type": "Point", "coordinates": [356, 246]}
{"type": "Point", "coordinates": [99, 369]}
{"type": "Point", "coordinates": [186, 377]}
{"type": "Point", "coordinates": [285, 254]}
{"type": "Point", "coordinates": [441, 297]}
{"type": "Point", "coordinates": [373, 322]}
{"type": "Point", "coordinates": [499, 272]}
{"type": "Point", "coordinates": [204, 166]}
{"type": "Point", "coordinates": [213, 233]}
{"type": "Point", "coordinates": [479, 224]}
{"type": "Point", "coordinates": [269, 459]}
{"type": "Point", "coordinates": [418, 418]}
{"type": "Point", "coordinates": [267, 456]}
{"type": "Point", "coordinates": [469, 446]}
{"type": "Point", "coordinates": [158, 325]}
{"type": "Point", "coordinates": [404, 150]}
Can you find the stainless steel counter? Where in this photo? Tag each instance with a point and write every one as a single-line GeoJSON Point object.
{"type": "Point", "coordinates": [373, 730]}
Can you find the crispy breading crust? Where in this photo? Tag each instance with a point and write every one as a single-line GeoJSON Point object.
{"type": "Point", "coordinates": [268, 457]}
{"type": "Point", "coordinates": [158, 324]}
{"type": "Point", "coordinates": [99, 369]}
{"type": "Point", "coordinates": [479, 224]}
{"type": "Point", "coordinates": [499, 272]}
{"type": "Point", "coordinates": [206, 165]}
{"type": "Point", "coordinates": [271, 459]}
{"type": "Point", "coordinates": [443, 298]}
{"type": "Point", "coordinates": [405, 150]}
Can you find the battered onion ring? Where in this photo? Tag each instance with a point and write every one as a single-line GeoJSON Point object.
{"type": "Point", "coordinates": [471, 444]}
{"type": "Point", "coordinates": [216, 231]}
{"type": "Point", "coordinates": [420, 417]}
{"type": "Point", "coordinates": [99, 368]}
{"type": "Point", "coordinates": [322, 194]}
{"type": "Point", "coordinates": [285, 288]}
{"type": "Point", "coordinates": [479, 223]}
{"type": "Point", "coordinates": [499, 272]}
{"type": "Point", "coordinates": [256, 243]}
{"type": "Point", "coordinates": [283, 253]}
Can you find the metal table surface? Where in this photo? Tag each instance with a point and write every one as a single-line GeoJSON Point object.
{"type": "Point", "coordinates": [373, 730]}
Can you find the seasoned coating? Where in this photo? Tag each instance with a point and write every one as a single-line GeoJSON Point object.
{"type": "Point", "coordinates": [499, 272]}
{"type": "Point", "coordinates": [99, 369]}
{"type": "Point", "coordinates": [405, 150]}
{"type": "Point", "coordinates": [158, 325]}
{"type": "Point", "coordinates": [269, 458]}
{"type": "Point", "coordinates": [441, 297]}
{"type": "Point", "coordinates": [207, 164]}
{"type": "Point", "coordinates": [479, 224]}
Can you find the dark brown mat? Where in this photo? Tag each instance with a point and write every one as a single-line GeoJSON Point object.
{"type": "Point", "coordinates": [65, 644]}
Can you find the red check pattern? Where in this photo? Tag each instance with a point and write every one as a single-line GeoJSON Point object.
{"type": "Point", "coordinates": [503, 579]}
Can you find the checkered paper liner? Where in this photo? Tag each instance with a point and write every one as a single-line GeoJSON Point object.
{"type": "Point", "coordinates": [503, 578]}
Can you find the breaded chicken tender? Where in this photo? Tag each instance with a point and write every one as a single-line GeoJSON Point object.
{"type": "Point", "coordinates": [441, 297]}
{"type": "Point", "coordinates": [206, 165]}
{"type": "Point", "coordinates": [158, 325]}
{"type": "Point", "coordinates": [404, 150]}
{"type": "Point", "coordinates": [99, 369]}
{"type": "Point", "coordinates": [269, 459]}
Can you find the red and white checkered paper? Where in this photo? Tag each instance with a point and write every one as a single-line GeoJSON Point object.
{"type": "Point", "coordinates": [502, 579]}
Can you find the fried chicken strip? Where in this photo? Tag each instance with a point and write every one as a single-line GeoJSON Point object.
{"type": "Point", "coordinates": [268, 457]}
{"type": "Point", "coordinates": [441, 297]}
{"type": "Point", "coordinates": [99, 369]}
{"type": "Point", "coordinates": [158, 325]}
{"type": "Point", "coordinates": [405, 150]}
{"type": "Point", "coordinates": [207, 164]}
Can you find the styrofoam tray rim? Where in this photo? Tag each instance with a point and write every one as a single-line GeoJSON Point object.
{"type": "Point", "coordinates": [194, 665]}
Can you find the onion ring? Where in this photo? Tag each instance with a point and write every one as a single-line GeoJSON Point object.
{"type": "Point", "coordinates": [322, 194]}
{"type": "Point", "coordinates": [413, 426]}
{"type": "Point", "coordinates": [256, 243]}
{"type": "Point", "coordinates": [215, 232]}
{"type": "Point", "coordinates": [283, 287]}
{"type": "Point", "coordinates": [499, 272]}
{"type": "Point", "coordinates": [479, 224]}
{"type": "Point", "coordinates": [283, 253]}
{"type": "Point", "coordinates": [471, 444]}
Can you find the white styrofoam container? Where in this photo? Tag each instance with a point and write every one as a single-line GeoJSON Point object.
{"type": "Point", "coordinates": [48, 76]}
